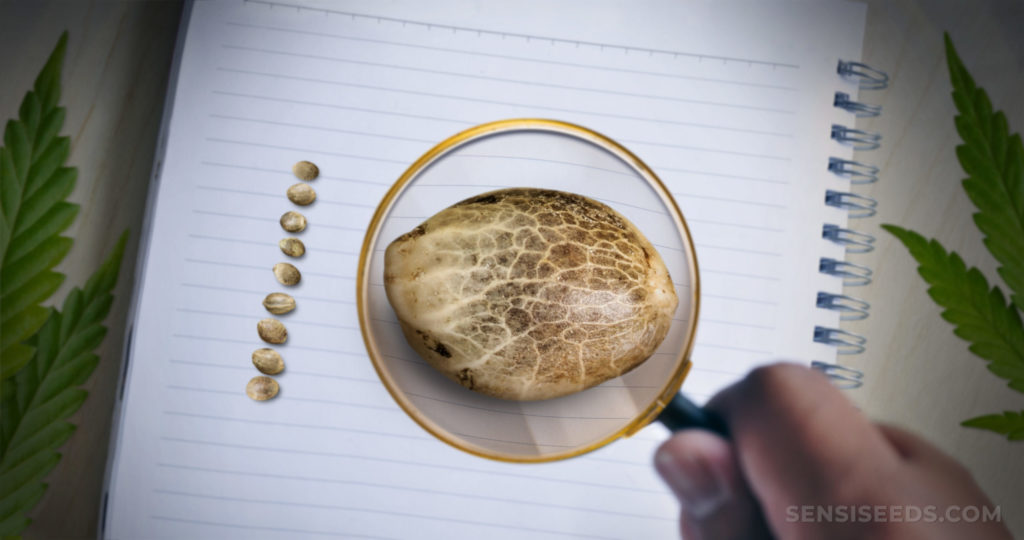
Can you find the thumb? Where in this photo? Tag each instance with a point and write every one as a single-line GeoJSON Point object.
{"type": "Point", "coordinates": [701, 469]}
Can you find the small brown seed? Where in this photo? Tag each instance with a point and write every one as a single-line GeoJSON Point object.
{"type": "Point", "coordinates": [293, 222]}
{"type": "Point", "coordinates": [287, 274]}
{"type": "Point", "coordinates": [305, 170]}
{"type": "Point", "coordinates": [279, 303]}
{"type": "Point", "coordinates": [301, 194]}
{"type": "Point", "coordinates": [272, 331]}
{"type": "Point", "coordinates": [262, 388]}
{"type": "Point", "coordinates": [292, 247]}
{"type": "Point", "coordinates": [268, 361]}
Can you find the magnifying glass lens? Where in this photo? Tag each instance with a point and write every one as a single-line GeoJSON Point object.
{"type": "Point", "coordinates": [540, 154]}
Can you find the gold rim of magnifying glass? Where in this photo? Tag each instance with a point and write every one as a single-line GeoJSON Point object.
{"type": "Point", "coordinates": [491, 128]}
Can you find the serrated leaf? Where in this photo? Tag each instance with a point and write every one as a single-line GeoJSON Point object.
{"type": "Point", "coordinates": [980, 315]}
{"type": "Point", "coordinates": [43, 257]}
{"type": "Point", "coordinates": [29, 295]}
{"type": "Point", "coordinates": [1009, 423]}
{"type": "Point", "coordinates": [992, 158]}
{"type": "Point", "coordinates": [38, 400]}
{"type": "Point", "coordinates": [19, 328]}
{"type": "Point", "coordinates": [33, 182]}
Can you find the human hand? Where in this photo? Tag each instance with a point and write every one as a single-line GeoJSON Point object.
{"type": "Point", "coordinates": [804, 463]}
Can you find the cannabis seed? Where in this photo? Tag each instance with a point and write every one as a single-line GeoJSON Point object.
{"type": "Point", "coordinates": [292, 247]}
{"type": "Point", "coordinates": [301, 194]}
{"type": "Point", "coordinates": [272, 331]}
{"type": "Point", "coordinates": [262, 388]}
{"type": "Point", "coordinates": [279, 303]}
{"type": "Point", "coordinates": [293, 222]}
{"type": "Point", "coordinates": [267, 361]}
{"type": "Point", "coordinates": [305, 170]}
{"type": "Point", "coordinates": [287, 274]}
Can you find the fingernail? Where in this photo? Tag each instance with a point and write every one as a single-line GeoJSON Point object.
{"type": "Point", "coordinates": [697, 485]}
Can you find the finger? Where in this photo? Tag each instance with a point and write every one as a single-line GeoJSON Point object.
{"type": "Point", "coordinates": [797, 439]}
{"type": "Point", "coordinates": [914, 449]}
{"type": "Point", "coordinates": [702, 471]}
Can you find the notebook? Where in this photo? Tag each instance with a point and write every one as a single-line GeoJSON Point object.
{"type": "Point", "coordinates": [738, 106]}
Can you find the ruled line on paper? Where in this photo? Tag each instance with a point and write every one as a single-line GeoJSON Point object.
{"type": "Point", "coordinates": [286, 173]}
{"type": "Point", "coordinates": [527, 107]}
{"type": "Point", "coordinates": [637, 143]}
{"type": "Point", "coordinates": [467, 468]}
{"type": "Point", "coordinates": [238, 397]}
{"type": "Point", "coordinates": [443, 493]}
{"type": "Point", "coordinates": [267, 527]}
{"type": "Point", "coordinates": [265, 268]}
{"type": "Point", "coordinates": [719, 175]}
{"type": "Point", "coordinates": [307, 150]}
{"type": "Point", "coordinates": [684, 196]}
{"type": "Point", "coordinates": [479, 31]}
{"type": "Point", "coordinates": [466, 123]}
{"type": "Point", "coordinates": [532, 84]}
{"type": "Point", "coordinates": [390, 137]}
{"type": "Point", "coordinates": [291, 372]}
{"type": "Point", "coordinates": [250, 342]}
{"type": "Point", "coordinates": [291, 321]}
{"type": "Point", "coordinates": [705, 320]}
{"type": "Point", "coordinates": [298, 425]}
{"type": "Point", "coordinates": [264, 243]}
{"type": "Point", "coordinates": [264, 293]}
{"type": "Point", "coordinates": [275, 220]}
{"type": "Point", "coordinates": [370, 510]}
{"type": "Point", "coordinates": [518, 58]}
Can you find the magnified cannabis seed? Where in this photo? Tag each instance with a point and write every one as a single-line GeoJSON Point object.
{"type": "Point", "coordinates": [305, 170]}
{"type": "Point", "coordinates": [262, 388]}
{"type": "Point", "coordinates": [287, 274]}
{"type": "Point", "coordinates": [292, 247]}
{"type": "Point", "coordinates": [293, 222]}
{"type": "Point", "coordinates": [268, 361]}
{"type": "Point", "coordinates": [301, 194]}
{"type": "Point", "coordinates": [272, 331]}
{"type": "Point", "coordinates": [279, 303]}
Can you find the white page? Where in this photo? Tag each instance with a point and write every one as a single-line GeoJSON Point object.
{"type": "Point", "coordinates": [730, 103]}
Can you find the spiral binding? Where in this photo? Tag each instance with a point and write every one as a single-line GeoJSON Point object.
{"type": "Point", "coordinates": [844, 341]}
{"type": "Point", "coordinates": [854, 171]}
{"type": "Point", "coordinates": [842, 376]}
{"type": "Point", "coordinates": [853, 241]}
{"type": "Point", "coordinates": [857, 138]}
{"type": "Point", "coordinates": [854, 275]}
{"type": "Point", "coordinates": [867, 77]}
{"type": "Point", "coordinates": [861, 110]}
{"type": "Point", "coordinates": [857, 206]}
{"type": "Point", "coordinates": [851, 309]}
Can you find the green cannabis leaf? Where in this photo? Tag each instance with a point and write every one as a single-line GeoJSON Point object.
{"type": "Point", "coordinates": [1009, 423]}
{"type": "Point", "coordinates": [36, 401]}
{"type": "Point", "coordinates": [33, 213]}
{"type": "Point", "coordinates": [981, 315]}
{"type": "Point", "coordinates": [994, 162]}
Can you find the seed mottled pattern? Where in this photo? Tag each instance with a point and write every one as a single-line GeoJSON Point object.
{"type": "Point", "coordinates": [262, 388]}
{"type": "Point", "coordinates": [293, 221]}
{"type": "Point", "coordinates": [301, 194]}
{"type": "Point", "coordinates": [305, 170]}
{"type": "Point", "coordinates": [529, 294]}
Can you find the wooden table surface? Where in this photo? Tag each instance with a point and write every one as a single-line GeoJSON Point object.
{"type": "Point", "coordinates": [919, 375]}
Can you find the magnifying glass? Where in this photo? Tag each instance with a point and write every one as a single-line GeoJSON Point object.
{"type": "Point", "coordinates": [545, 154]}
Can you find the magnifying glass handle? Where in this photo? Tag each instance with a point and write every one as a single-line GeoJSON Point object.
{"type": "Point", "coordinates": [681, 413]}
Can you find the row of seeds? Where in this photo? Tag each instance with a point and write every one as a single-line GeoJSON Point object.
{"type": "Point", "coordinates": [271, 330]}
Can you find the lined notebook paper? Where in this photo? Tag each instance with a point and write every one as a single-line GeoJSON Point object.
{"type": "Point", "coordinates": [729, 102]}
